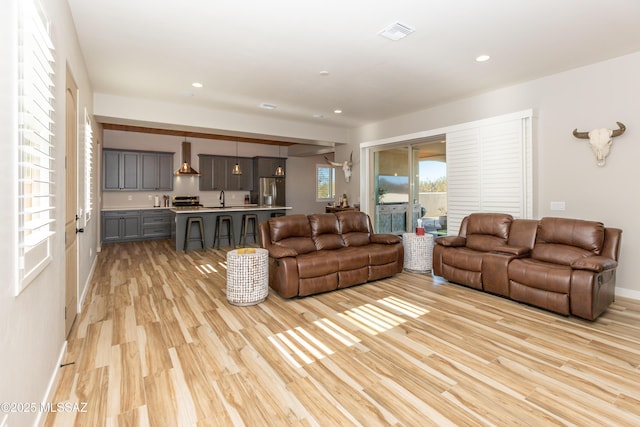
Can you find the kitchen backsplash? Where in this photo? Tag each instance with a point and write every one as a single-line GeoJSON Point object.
{"type": "Point", "coordinates": [144, 199]}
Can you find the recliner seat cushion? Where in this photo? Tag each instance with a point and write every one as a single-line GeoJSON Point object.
{"type": "Point", "coordinates": [542, 275]}
{"type": "Point", "coordinates": [463, 258]}
{"type": "Point", "coordinates": [317, 264]}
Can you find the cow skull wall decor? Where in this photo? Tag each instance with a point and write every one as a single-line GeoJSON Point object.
{"type": "Point", "coordinates": [346, 166]}
{"type": "Point", "coordinates": [601, 140]}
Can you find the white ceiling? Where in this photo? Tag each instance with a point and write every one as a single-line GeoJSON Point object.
{"type": "Point", "coordinates": [247, 52]}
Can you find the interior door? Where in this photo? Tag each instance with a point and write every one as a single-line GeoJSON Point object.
{"type": "Point", "coordinates": [71, 205]}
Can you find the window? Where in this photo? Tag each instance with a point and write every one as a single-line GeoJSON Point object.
{"type": "Point", "coordinates": [88, 167]}
{"type": "Point", "coordinates": [35, 138]}
{"type": "Point", "coordinates": [325, 183]}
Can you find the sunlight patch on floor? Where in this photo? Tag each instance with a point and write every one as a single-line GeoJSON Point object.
{"type": "Point", "coordinates": [403, 307]}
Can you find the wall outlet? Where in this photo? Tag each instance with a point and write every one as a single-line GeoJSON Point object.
{"type": "Point", "coordinates": [129, 198]}
{"type": "Point", "coordinates": [557, 206]}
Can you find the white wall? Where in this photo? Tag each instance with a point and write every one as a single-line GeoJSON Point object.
{"type": "Point", "coordinates": [564, 167]}
{"type": "Point", "coordinates": [301, 184]}
{"type": "Point", "coordinates": [32, 323]}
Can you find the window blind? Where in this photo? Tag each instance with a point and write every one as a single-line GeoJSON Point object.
{"type": "Point", "coordinates": [35, 138]}
{"type": "Point", "coordinates": [489, 169]}
{"type": "Point", "coordinates": [88, 167]}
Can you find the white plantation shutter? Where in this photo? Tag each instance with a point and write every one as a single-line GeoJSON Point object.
{"type": "Point", "coordinates": [35, 138]}
{"type": "Point", "coordinates": [88, 167]}
{"type": "Point", "coordinates": [489, 168]}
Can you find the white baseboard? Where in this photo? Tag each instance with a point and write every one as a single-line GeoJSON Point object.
{"type": "Point", "coordinates": [86, 284]}
{"type": "Point", "coordinates": [627, 293]}
{"type": "Point", "coordinates": [52, 382]}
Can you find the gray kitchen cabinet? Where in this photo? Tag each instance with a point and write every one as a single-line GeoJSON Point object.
{"type": "Point", "coordinates": [242, 182]}
{"type": "Point", "coordinates": [156, 171]}
{"type": "Point", "coordinates": [120, 170]}
{"type": "Point", "coordinates": [127, 170]}
{"type": "Point", "coordinates": [215, 173]}
{"type": "Point", "coordinates": [266, 166]}
{"type": "Point", "coordinates": [157, 224]}
{"type": "Point", "coordinates": [212, 172]}
{"type": "Point", "coordinates": [120, 226]}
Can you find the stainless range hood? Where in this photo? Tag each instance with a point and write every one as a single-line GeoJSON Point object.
{"type": "Point", "coordinates": [186, 168]}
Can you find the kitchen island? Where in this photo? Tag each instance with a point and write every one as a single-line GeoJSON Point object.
{"type": "Point", "coordinates": [209, 215]}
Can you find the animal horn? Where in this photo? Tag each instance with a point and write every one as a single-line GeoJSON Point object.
{"type": "Point", "coordinates": [351, 157]}
{"type": "Point", "coordinates": [577, 134]}
{"type": "Point", "coordinates": [619, 131]}
{"type": "Point", "coordinates": [332, 163]}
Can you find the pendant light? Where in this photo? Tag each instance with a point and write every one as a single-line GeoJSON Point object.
{"type": "Point", "coordinates": [236, 168]}
{"type": "Point", "coordinates": [279, 170]}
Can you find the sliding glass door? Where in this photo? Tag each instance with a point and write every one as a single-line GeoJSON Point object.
{"type": "Point", "coordinates": [404, 186]}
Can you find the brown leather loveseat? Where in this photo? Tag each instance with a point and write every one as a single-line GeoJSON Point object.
{"type": "Point", "coordinates": [309, 254]}
{"type": "Point", "coordinates": [564, 265]}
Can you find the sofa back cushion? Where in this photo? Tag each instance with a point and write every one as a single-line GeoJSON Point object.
{"type": "Point", "coordinates": [325, 231]}
{"type": "Point", "coordinates": [488, 231]}
{"type": "Point", "coordinates": [354, 227]}
{"type": "Point", "coordinates": [564, 240]}
{"type": "Point", "coordinates": [292, 231]}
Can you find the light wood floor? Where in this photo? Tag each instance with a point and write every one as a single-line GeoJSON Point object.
{"type": "Point", "coordinates": [158, 344]}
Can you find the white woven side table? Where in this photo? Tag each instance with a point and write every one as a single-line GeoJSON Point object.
{"type": "Point", "coordinates": [247, 276]}
{"type": "Point", "coordinates": [418, 252]}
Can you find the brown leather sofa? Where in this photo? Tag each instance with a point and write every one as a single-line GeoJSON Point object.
{"type": "Point", "coordinates": [309, 254]}
{"type": "Point", "coordinates": [564, 265]}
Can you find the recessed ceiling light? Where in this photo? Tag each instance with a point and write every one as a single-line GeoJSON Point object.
{"type": "Point", "coordinates": [396, 31]}
{"type": "Point", "coordinates": [324, 73]}
{"type": "Point", "coordinates": [337, 111]}
{"type": "Point", "coordinates": [197, 84]}
{"type": "Point", "coordinates": [318, 116]}
{"type": "Point", "coordinates": [483, 58]}
{"type": "Point", "coordinates": [268, 106]}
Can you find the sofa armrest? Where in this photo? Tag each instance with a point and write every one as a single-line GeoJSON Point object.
{"type": "Point", "coordinates": [594, 263]}
{"type": "Point", "coordinates": [452, 241]}
{"type": "Point", "coordinates": [386, 239]}
{"type": "Point", "coordinates": [517, 251]}
{"type": "Point", "coordinates": [276, 251]}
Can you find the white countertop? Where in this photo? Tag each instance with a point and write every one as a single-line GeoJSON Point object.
{"type": "Point", "coordinates": [240, 208]}
{"type": "Point", "coordinates": [133, 208]}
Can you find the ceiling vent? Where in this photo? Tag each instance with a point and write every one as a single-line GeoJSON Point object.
{"type": "Point", "coordinates": [396, 31]}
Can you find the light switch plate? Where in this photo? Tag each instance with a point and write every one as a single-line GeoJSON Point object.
{"type": "Point", "coordinates": [557, 206]}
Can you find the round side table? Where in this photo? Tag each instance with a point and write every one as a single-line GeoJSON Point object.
{"type": "Point", "coordinates": [418, 252]}
{"type": "Point", "coordinates": [247, 276]}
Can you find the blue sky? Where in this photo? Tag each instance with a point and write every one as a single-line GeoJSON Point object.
{"type": "Point", "coordinates": [431, 170]}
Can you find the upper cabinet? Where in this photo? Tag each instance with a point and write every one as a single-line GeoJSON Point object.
{"type": "Point", "coordinates": [120, 170]}
{"type": "Point", "coordinates": [156, 171]}
{"type": "Point", "coordinates": [125, 170]}
{"type": "Point", "coordinates": [215, 173]}
{"type": "Point", "coordinates": [266, 166]}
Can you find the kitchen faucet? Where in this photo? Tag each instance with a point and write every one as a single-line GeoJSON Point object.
{"type": "Point", "coordinates": [222, 198]}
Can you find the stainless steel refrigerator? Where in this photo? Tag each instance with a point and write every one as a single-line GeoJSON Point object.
{"type": "Point", "coordinates": [272, 192]}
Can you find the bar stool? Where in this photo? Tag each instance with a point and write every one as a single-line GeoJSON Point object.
{"type": "Point", "coordinates": [220, 219]}
{"type": "Point", "coordinates": [276, 214]}
{"type": "Point", "coordinates": [187, 238]}
{"type": "Point", "coordinates": [245, 231]}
